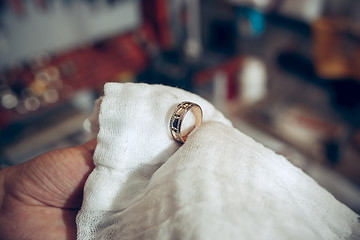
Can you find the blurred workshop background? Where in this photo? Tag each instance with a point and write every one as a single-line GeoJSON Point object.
{"type": "Point", "coordinates": [286, 72]}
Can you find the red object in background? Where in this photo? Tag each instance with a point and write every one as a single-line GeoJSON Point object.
{"type": "Point", "coordinates": [100, 63]}
{"type": "Point", "coordinates": [230, 68]}
{"type": "Point", "coordinates": [88, 67]}
{"type": "Point", "coordinates": [41, 4]}
{"type": "Point", "coordinates": [156, 13]}
{"type": "Point", "coordinates": [17, 6]}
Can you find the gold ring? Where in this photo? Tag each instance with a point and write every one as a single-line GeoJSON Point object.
{"type": "Point", "coordinates": [178, 116]}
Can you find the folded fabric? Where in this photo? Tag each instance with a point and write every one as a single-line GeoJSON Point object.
{"type": "Point", "coordinates": [220, 184]}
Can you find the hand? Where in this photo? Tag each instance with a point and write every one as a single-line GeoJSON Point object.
{"type": "Point", "coordinates": [40, 198]}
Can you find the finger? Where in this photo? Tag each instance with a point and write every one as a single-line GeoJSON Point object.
{"type": "Point", "coordinates": [57, 178]}
{"type": "Point", "coordinates": [87, 151]}
{"type": "Point", "coordinates": [90, 145]}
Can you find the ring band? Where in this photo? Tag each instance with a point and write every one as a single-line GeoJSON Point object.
{"type": "Point", "coordinates": [178, 117]}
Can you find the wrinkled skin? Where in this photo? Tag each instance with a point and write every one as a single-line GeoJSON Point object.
{"type": "Point", "coordinates": [40, 198]}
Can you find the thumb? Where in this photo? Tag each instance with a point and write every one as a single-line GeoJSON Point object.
{"type": "Point", "coordinates": [90, 145]}
{"type": "Point", "coordinates": [57, 178]}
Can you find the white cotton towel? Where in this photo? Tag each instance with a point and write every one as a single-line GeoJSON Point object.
{"type": "Point", "coordinates": [219, 185]}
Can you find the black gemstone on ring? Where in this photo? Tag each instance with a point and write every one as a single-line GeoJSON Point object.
{"type": "Point", "coordinates": [175, 123]}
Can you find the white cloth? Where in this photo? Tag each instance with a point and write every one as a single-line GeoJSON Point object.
{"type": "Point", "coordinates": [220, 184]}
